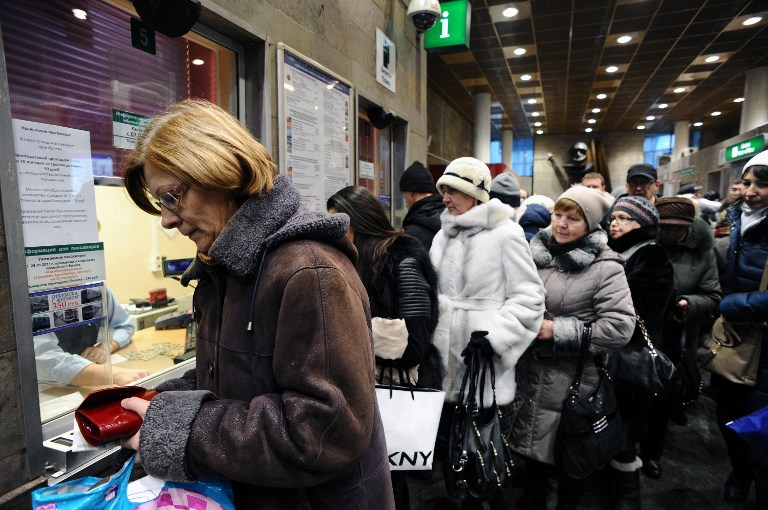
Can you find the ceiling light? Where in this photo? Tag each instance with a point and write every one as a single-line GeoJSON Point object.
{"type": "Point", "coordinates": [531, 101]}
{"type": "Point", "coordinates": [712, 58]}
{"type": "Point", "coordinates": [535, 114]}
{"type": "Point", "coordinates": [525, 77]}
{"type": "Point", "coordinates": [641, 127]}
{"type": "Point", "coordinates": [591, 121]}
{"type": "Point", "coordinates": [509, 12]}
{"type": "Point", "coordinates": [751, 21]}
{"type": "Point", "coordinates": [588, 130]}
{"type": "Point", "coordinates": [698, 124]}
{"type": "Point", "coordinates": [79, 13]}
{"type": "Point", "coordinates": [198, 61]}
{"type": "Point", "coordinates": [662, 105]}
{"type": "Point", "coordinates": [738, 100]}
{"type": "Point", "coordinates": [595, 110]}
{"type": "Point", "coordinates": [537, 124]}
{"type": "Point", "coordinates": [679, 90]}
{"type": "Point", "coordinates": [715, 114]}
{"type": "Point", "coordinates": [611, 69]}
{"type": "Point", "coordinates": [650, 117]}
{"type": "Point", "coordinates": [624, 39]}
{"type": "Point", "coordinates": [601, 96]}
{"type": "Point", "coordinates": [539, 132]}
{"type": "Point", "coordinates": [519, 51]}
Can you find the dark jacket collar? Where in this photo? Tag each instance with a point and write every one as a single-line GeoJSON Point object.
{"type": "Point", "coordinates": [264, 222]}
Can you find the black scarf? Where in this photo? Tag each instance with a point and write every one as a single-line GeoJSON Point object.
{"type": "Point", "coordinates": [556, 248]}
{"type": "Point", "coordinates": [633, 237]}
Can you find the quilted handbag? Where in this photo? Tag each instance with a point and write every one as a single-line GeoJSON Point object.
{"type": "Point", "coordinates": [591, 432]}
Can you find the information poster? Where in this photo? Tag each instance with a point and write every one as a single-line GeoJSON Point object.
{"type": "Point", "coordinates": [53, 310]}
{"type": "Point", "coordinates": [57, 266]}
{"type": "Point", "coordinates": [126, 127]}
{"type": "Point", "coordinates": [315, 126]}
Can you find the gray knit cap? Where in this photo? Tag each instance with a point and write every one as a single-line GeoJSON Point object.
{"type": "Point", "coordinates": [639, 209]}
{"type": "Point", "coordinates": [506, 188]}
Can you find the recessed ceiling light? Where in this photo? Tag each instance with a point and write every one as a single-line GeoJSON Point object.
{"type": "Point", "coordinates": [662, 105]}
{"type": "Point", "coordinates": [624, 39]}
{"type": "Point", "coordinates": [650, 117]}
{"type": "Point", "coordinates": [715, 114]}
{"type": "Point", "coordinates": [519, 51]}
{"type": "Point", "coordinates": [591, 121]}
{"type": "Point", "coordinates": [752, 20]}
{"type": "Point", "coordinates": [595, 110]}
{"type": "Point", "coordinates": [79, 13]}
{"type": "Point", "coordinates": [509, 12]}
{"type": "Point", "coordinates": [738, 100]}
{"type": "Point", "coordinates": [601, 96]}
{"type": "Point", "coordinates": [712, 58]}
{"type": "Point", "coordinates": [198, 61]}
{"type": "Point", "coordinates": [535, 114]}
{"type": "Point", "coordinates": [641, 127]}
{"type": "Point", "coordinates": [539, 132]}
{"type": "Point", "coordinates": [525, 77]}
{"type": "Point", "coordinates": [531, 101]}
{"type": "Point", "coordinates": [588, 130]}
{"type": "Point", "coordinates": [679, 90]}
{"type": "Point", "coordinates": [698, 124]}
{"type": "Point", "coordinates": [537, 124]}
{"type": "Point", "coordinates": [611, 69]}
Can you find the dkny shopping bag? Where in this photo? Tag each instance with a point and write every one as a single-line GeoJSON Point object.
{"type": "Point", "coordinates": [410, 416]}
{"type": "Point", "coordinates": [91, 493]}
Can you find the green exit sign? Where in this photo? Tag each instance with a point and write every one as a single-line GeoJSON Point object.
{"type": "Point", "coordinates": [745, 149]}
{"type": "Point", "coordinates": [451, 32]}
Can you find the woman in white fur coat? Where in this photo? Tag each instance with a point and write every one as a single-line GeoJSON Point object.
{"type": "Point", "coordinates": [487, 282]}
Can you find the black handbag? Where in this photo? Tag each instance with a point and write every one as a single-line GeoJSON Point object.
{"type": "Point", "coordinates": [591, 432]}
{"type": "Point", "coordinates": [479, 462]}
{"type": "Point", "coordinates": [640, 365]}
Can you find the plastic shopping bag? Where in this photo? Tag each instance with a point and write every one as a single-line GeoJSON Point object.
{"type": "Point", "coordinates": [93, 493]}
{"type": "Point", "coordinates": [753, 428]}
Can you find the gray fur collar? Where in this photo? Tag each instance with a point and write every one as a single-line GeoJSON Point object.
{"type": "Point", "coordinates": [574, 260]}
{"type": "Point", "coordinates": [264, 222]}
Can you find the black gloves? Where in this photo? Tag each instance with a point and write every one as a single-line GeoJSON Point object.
{"type": "Point", "coordinates": [478, 342]}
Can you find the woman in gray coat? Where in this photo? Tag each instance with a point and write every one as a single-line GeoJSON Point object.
{"type": "Point", "coordinates": [584, 282]}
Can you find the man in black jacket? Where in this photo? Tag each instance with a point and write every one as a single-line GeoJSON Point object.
{"type": "Point", "coordinates": [424, 203]}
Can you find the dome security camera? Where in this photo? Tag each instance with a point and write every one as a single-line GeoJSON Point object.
{"type": "Point", "coordinates": [423, 14]}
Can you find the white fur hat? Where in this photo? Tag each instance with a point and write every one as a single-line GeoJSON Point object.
{"type": "Point", "coordinates": [468, 175]}
{"type": "Point", "coordinates": [759, 160]}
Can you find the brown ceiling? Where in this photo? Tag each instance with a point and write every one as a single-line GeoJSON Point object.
{"type": "Point", "coordinates": [570, 43]}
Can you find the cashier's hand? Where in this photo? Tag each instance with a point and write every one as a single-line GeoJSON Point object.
{"type": "Point", "coordinates": [125, 376]}
{"type": "Point", "coordinates": [139, 406]}
{"type": "Point", "coordinates": [96, 354]}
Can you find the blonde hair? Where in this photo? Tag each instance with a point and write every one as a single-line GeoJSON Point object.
{"type": "Point", "coordinates": [203, 145]}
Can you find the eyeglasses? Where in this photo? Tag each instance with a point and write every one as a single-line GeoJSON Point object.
{"type": "Point", "coordinates": [622, 220]}
{"type": "Point", "coordinates": [171, 198]}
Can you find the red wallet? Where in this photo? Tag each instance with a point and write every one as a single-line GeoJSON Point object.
{"type": "Point", "coordinates": [102, 419]}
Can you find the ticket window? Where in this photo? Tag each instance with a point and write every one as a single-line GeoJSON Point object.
{"type": "Point", "coordinates": [83, 74]}
{"type": "Point", "coordinates": [381, 150]}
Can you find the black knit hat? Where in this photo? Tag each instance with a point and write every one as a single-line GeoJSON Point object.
{"type": "Point", "coordinates": [417, 178]}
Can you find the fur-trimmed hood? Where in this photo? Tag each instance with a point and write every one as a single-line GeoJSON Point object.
{"type": "Point", "coordinates": [265, 222]}
{"type": "Point", "coordinates": [594, 248]}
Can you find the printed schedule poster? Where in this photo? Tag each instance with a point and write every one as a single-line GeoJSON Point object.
{"type": "Point", "coordinates": [58, 204]}
{"type": "Point", "coordinates": [53, 310]}
{"type": "Point", "coordinates": [315, 141]}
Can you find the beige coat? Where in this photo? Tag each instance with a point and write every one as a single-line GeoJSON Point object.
{"type": "Point", "coordinates": [585, 285]}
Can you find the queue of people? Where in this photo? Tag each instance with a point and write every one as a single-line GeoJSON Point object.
{"type": "Point", "coordinates": [282, 399]}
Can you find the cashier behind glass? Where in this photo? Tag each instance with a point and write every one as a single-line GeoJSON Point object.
{"type": "Point", "coordinates": [72, 356]}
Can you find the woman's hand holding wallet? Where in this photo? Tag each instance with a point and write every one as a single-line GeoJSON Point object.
{"type": "Point", "coordinates": [102, 418]}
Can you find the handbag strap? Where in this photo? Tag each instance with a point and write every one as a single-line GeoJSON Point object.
{"type": "Point", "coordinates": [586, 337]}
{"type": "Point", "coordinates": [646, 336]}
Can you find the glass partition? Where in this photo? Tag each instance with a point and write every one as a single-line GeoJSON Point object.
{"type": "Point", "coordinates": [79, 94]}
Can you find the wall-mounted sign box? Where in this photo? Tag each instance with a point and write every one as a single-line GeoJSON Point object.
{"type": "Point", "coordinates": [745, 149]}
{"type": "Point", "coordinates": [451, 32]}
